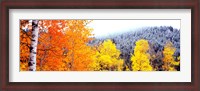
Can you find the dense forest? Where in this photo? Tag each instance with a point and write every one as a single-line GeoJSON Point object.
{"type": "Point", "coordinates": [157, 38]}
{"type": "Point", "coordinates": [69, 45]}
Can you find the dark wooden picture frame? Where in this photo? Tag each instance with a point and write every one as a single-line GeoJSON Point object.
{"type": "Point", "coordinates": [100, 4]}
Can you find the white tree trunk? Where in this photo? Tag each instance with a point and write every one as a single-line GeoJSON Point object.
{"type": "Point", "coordinates": [33, 47]}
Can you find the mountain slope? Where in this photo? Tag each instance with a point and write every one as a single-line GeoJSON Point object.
{"type": "Point", "coordinates": [156, 36]}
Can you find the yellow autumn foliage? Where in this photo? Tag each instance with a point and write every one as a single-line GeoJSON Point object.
{"type": "Point", "coordinates": [168, 59]}
{"type": "Point", "coordinates": [140, 58]}
{"type": "Point", "coordinates": [107, 58]}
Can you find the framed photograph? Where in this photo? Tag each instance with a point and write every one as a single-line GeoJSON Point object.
{"type": "Point", "coordinates": [100, 45]}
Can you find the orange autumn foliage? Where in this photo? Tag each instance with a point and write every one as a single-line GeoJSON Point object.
{"type": "Point", "coordinates": [79, 54]}
{"type": "Point", "coordinates": [24, 46]}
{"type": "Point", "coordinates": [62, 46]}
{"type": "Point", "coordinates": [49, 46]}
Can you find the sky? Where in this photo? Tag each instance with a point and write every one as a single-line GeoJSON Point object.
{"type": "Point", "coordinates": [109, 27]}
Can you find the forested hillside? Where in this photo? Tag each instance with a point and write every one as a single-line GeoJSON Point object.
{"type": "Point", "coordinates": [157, 38]}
